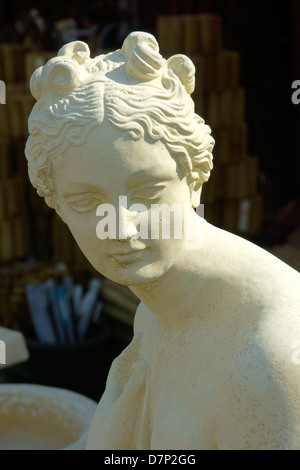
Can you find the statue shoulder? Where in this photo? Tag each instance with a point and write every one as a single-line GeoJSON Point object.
{"type": "Point", "coordinates": [259, 394]}
{"type": "Point", "coordinates": [143, 316]}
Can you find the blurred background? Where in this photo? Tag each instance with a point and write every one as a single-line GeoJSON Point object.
{"type": "Point", "coordinates": [247, 55]}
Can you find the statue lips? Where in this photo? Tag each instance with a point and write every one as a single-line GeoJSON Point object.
{"type": "Point", "coordinates": [126, 255]}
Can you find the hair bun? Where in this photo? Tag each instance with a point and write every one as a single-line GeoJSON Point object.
{"type": "Point", "coordinates": [77, 50]}
{"type": "Point", "coordinates": [144, 60]}
{"type": "Point", "coordinates": [59, 75]}
{"type": "Point", "coordinates": [138, 37]}
{"type": "Point", "coordinates": [181, 66]}
{"type": "Point", "coordinates": [62, 73]}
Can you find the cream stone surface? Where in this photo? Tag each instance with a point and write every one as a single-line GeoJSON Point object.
{"type": "Point", "coordinates": [211, 362]}
{"type": "Point", "coordinates": [36, 417]}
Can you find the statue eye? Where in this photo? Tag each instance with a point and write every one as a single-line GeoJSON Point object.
{"type": "Point", "coordinates": [83, 202]}
{"type": "Point", "coordinates": [149, 193]}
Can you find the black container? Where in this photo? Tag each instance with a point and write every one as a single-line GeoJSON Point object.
{"type": "Point", "coordinates": [81, 367]}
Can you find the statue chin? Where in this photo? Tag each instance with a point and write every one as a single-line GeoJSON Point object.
{"type": "Point", "coordinates": [137, 268]}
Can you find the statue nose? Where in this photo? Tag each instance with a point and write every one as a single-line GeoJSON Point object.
{"type": "Point", "coordinates": [129, 221]}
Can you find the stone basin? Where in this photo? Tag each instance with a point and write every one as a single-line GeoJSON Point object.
{"type": "Point", "coordinates": [36, 417]}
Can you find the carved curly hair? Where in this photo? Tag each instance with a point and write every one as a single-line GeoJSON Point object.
{"type": "Point", "coordinates": [135, 88]}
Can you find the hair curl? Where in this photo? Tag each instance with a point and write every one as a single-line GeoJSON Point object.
{"type": "Point", "coordinates": [135, 88]}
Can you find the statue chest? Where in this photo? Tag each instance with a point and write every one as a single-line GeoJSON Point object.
{"type": "Point", "coordinates": [158, 398]}
{"type": "Point", "coordinates": [179, 404]}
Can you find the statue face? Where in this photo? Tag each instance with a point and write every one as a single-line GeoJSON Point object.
{"type": "Point", "coordinates": [109, 165]}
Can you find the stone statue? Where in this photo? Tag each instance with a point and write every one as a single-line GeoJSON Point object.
{"type": "Point", "coordinates": [211, 362]}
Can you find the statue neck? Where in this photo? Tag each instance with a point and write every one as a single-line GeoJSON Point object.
{"type": "Point", "coordinates": [183, 294]}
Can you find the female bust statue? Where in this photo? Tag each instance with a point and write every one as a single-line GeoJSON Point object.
{"type": "Point", "coordinates": [210, 364]}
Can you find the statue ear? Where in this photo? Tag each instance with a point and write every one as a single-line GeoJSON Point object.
{"type": "Point", "coordinates": [60, 212]}
{"type": "Point", "coordinates": [200, 175]}
{"type": "Point", "coordinates": [196, 197]}
{"type": "Point", "coordinates": [202, 166]}
{"type": "Point", "coordinates": [195, 182]}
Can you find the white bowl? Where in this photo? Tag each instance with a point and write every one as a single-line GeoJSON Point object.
{"type": "Point", "coordinates": [35, 417]}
